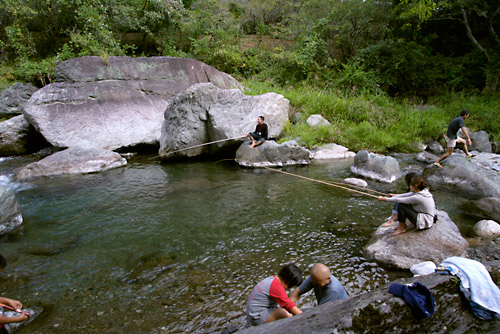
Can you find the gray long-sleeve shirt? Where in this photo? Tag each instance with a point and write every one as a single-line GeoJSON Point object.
{"type": "Point", "coordinates": [422, 202]}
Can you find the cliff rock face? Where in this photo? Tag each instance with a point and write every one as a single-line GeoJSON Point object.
{"type": "Point", "coordinates": [114, 102]}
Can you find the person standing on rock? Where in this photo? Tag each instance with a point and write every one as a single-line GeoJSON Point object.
{"type": "Point", "coordinates": [417, 206]}
{"type": "Point", "coordinates": [327, 288]}
{"type": "Point", "coordinates": [266, 297]}
{"type": "Point", "coordinates": [452, 138]}
{"type": "Point", "coordinates": [259, 136]}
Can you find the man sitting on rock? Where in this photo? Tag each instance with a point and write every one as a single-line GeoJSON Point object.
{"type": "Point", "coordinates": [327, 288]}
{"type": "Point", "coordinates": [260, 135]}
{"type": "Point", "coordinates": [452, 138]}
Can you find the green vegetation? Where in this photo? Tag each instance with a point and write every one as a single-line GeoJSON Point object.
{"type": "Point", "coordinates": [362, 64]}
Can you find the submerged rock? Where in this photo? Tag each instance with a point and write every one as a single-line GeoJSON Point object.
{"type": "Point", "coordinates": [271, 154]}
{"type": "Point", "coordinates": [73, 160]}
{"type": "Point", "coordinates": [488, 229]}
{"type": "Point", "coordinates": [205, 113]}
{"type": "Point", "coordinates": [377, 167]}
{"type": "Point", "coordinates": [114, 102]}
{"type": "Point", "coordinates": [331, 152]}
{"type": "Point", "coordinates": [14, 98]}
{"type": "Point", "coordinates": [442, 240]}
{"type": "Point", "coordinates": [17, 136]}
{"type": "Point", "coordinates": [379, 311]}
{"type": "Point", "coordinates": [10, 211]}
{"type": "Point", "coordinates": [471, 179]}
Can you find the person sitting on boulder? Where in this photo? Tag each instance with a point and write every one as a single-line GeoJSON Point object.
{"type": "Point", "coordinates": [263, 301]}
{"type": "Point", "coordinates": [394, 216]}
{"type": "Point", "coordinates": [327, 287]}
{"type": "Point", "coordinates": [452, 138]}
{"type": "Point", "coordinates": [260, 135]}
{"type": "Point", "coordinates": [16, 305]}
{"type": "Point", "coordinates": [417, 206]}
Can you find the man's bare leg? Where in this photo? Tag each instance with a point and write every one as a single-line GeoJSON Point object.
{"type": "Point", "coordinates": [449, 151]}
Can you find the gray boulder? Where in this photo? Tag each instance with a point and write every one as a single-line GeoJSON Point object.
{"type": "Point", "coordinates": [435, 147]}
{"type": "Point", "coordinates": [17, 136]}
{"type": "Point", "coordinates": [377, 167]}
{"type": "Point", "coordinates": [73, 160]}
{"type": "Point", "coordinates": [332, 152]}
{"type": "Point", "coordinates": [379, 311]}
{"type": "Point", "coordinates": [470, 179]}
{"type": "Point", "coordinates": [487, 229]}
{"type": "Point", "coordinates": [271, 154]}
{"type": "Point", "coordinates": [114, 102]}
{"type": "Point", "coordinates": [10, 211]}
{"type": "Point", "coordinates": [317, 120]}
{"type": "Point", "coordinates": [442, 240]}
{"type": "Point", "coordinates": [487, 207]}
{"type": "Point", "coordinates": [426, 157]}
{"type": "Point", "coordinates": [480, 140]}
{"type": "Point", "coordinates": [14, 98]}
{"type": "Point", "coordinates": [206, 113]}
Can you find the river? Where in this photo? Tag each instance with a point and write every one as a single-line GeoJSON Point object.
{"type": "Point", "coordinates": [177, 247]}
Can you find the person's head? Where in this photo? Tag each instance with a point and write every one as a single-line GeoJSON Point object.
{"type": "Point", "coordinates": [465, 114]}
{"type": "Point", "coordinates": [260, 120]}
{"type": "Point", "coordinates": [290, 275]}
{"type": "Point", "coordinates": [3, 262]}
{"type": "Point", "coordinates": [408, 177]}
{"type": "Point", "coordinates": [320, 275]}
{"type": "Point", "coordinates": [418, 183]}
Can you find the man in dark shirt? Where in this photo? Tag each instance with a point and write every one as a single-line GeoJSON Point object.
{"type": "Point", "coordinates": [260, 135]}
{"type": "Point", "coordinates": [452, 138]}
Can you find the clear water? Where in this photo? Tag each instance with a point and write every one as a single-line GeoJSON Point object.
{"type": "Point", "coordinates": [167, 248]}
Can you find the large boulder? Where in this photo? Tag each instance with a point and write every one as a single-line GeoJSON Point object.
{"type": "Point", "coordinates": [114, 102]}
{"type": "Point", "coordinates": [206, 113]}
{"type": "Point", "coordinates": [74, 160]}
{"type": "Point", "coordinates": [17, 136]}
{"type": "Point", "coordinates": [10, 211]}
{"type": "Point", "coordinates": [442, 240]}
{"type": "Point", "coordinates": [331, 152]}
{"type": "Point", "coordinates": [14, 98]}
{"type": "Point", "coordinates": [487, 207]}
{"type": "Point", "coordinates": [471, 179]}
{"type": "Point", "coordinates": [480, 140]}
{"type": "Point", "coordinates": [377, 167]}
{"type": "Point", "coordinates": [379, 311]}
{"type": "Point", "coordinates": [271, 154]}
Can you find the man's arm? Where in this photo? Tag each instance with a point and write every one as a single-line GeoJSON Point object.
{"type": "Point", "coordinates": [295, 310]}
{"type": "Point", "coordinates": [294, 295]}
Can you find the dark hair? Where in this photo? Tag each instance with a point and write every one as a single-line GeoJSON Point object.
{"type": "Point", "coordinates": [261, 117]}
{"type": "Point", "coordinates": [408, 177]}
{"type": "Point", "coordinates": [465, 112]}
{"type": "Point", "coordinates": [418, 182]}
{"type": "Point", "coordinates": [3, 262]}
{"type": "Point", "coordinates": [291, 275]}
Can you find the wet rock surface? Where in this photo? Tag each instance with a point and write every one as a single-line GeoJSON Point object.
{"type": "Point", "coordinates": [441, 241]}
{"type": "Point", "coordinates": [205, 113]}
{"type": "Point", "coordinates": [271, 154]}
{"type": "Point", "coordinates": [10, 211]}
{"type": "Point", "coordinates": [115, 102]}
{"type": "Point", "coordinates": [375, 166]}
{"type": "Point", "coordinates": [73, 160]}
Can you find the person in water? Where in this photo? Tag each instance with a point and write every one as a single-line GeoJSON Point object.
{"type": "Point", "coordinates": [417, 206]}
{"type": "Point", "coordinates": [452, 139]}
{"type": "Point", "coordinates": [327, 287]}
{"type": "Point", "coordinates": [16, 305]}
{"type": "Point", "coordinates": [266, 297]}
{"type": "Point", "coordinates": [259, 136]}
{"type": "Point", "coordinates": [394, 216]}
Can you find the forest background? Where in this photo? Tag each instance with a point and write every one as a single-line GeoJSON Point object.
{"type": "Point", "coordinates": [388, 75]}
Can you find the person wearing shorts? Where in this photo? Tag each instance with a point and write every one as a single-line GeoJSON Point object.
{"type": "Point", "coordinates": [451, 137]}
{"type": "Point", "coordinates": [259, 136]}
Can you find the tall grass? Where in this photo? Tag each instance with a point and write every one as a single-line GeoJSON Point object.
{"type": "Point", "coordinates": [377, 122]}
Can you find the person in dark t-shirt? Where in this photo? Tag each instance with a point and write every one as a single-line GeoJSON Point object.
{"type": "Point", "coordinates": [452, 139]}
{"type": "Point", "coordinates": [259, 136]}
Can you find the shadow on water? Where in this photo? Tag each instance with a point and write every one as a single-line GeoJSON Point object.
{"type": "Point", "coordinates": [177, 247]}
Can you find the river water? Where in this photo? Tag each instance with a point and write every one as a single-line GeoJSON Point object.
{"type": "Point", "coordinates": [177, 247]}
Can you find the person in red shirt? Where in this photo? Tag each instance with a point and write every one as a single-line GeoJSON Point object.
{"type": "Point", "coordinates": [268, 295]}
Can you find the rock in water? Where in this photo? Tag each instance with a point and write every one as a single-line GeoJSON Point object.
{"type": "Point", "coordinates": [487, 229]}
{"type": "Point", "coordinates": [356, 182]}
{"type": "Point", "coordinates": [10, 211]}
{"type": "Point", "coordinates": [470, 179]}
{"type": "Point", "coordinates": [14, 98]}
{"type": "Point", "coordinates": [271, 154]}
{"type": "Point", "coordinates": [17, 136]}
{"type": "Point", "coordinates": [205, 113]}
{"type": "Point", "coordinates": [331, 152]}
{"type": "Point", "coordinates": [73, 160]}
{"type": "Point", "coordinates": [377, 167]}
{"type": "Point", "coordinates": [426, 157]}
{"type": "Point", "coordinates": [114, 102]}
{"type": "Point", "coordinates": [442, 240]}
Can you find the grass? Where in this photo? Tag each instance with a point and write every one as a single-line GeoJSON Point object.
{"type": "Point", "coordinates": [376, 122]}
